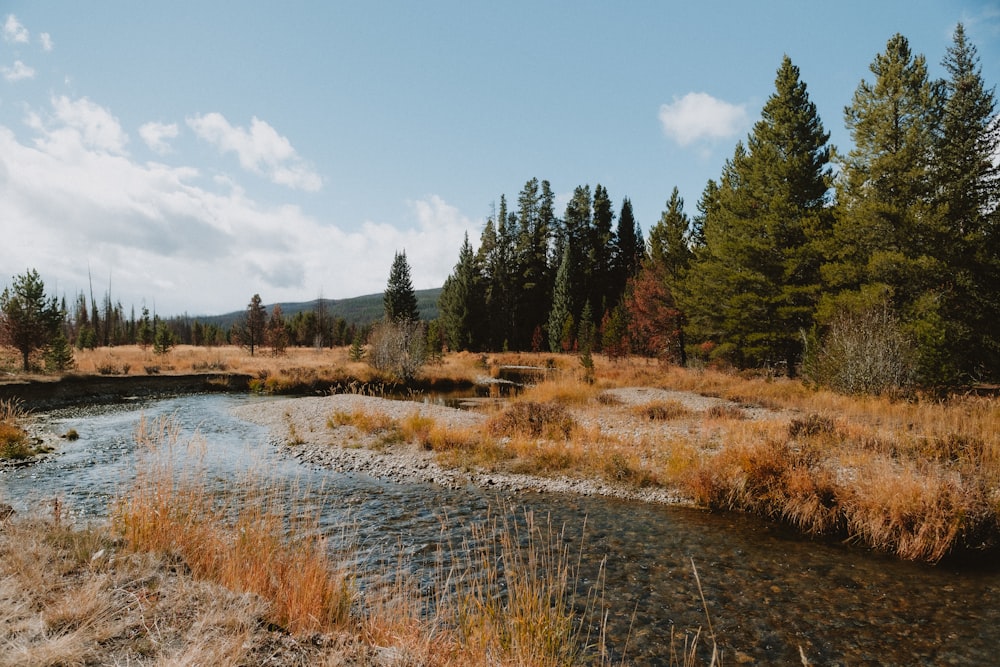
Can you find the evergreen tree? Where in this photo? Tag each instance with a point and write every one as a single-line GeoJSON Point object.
{"type": "Point", "coordinates": [164, 339]}
{"type": "Point", "coordinates": [275, 333]}
{"type": "Point", "coordinates": [890, 232]}
{"type": "Point", "coordinates": [28, 320]}
{"type": "Point", "coordinates": [461, 303]}
{"type": "Point", "coordinates": [487, 262]}
{"type": "Point", "coordinates": [144, 332]}
{"type": "Point", "coordinates": [669, 240]}
{"type": "Point", "coordinates": [600, 253]}
{"type": "Point", "coordinates": [506, 277]}
{"type": "Point", "coordinates": [577, 238]}
{"type": "Point", "coordinates": [400, 299]}
{"type": "Point", "coordinates": [250, 329]}
{"type": "Point", "coordinates": [562, 302]}
{"type": "Point", "coordinates": [535, 215]}
{"type": "Point", "coordinates": [627, 254]}
{"type": "Point", "coordinates": [968, 189]}
{"type": "Point", "coordinates": [59, 354]}
{"type": "Point", "coordinates": [758, 274]}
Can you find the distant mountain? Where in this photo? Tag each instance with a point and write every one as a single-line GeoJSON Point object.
{"type": "Point", "coordinates": [356, 310]}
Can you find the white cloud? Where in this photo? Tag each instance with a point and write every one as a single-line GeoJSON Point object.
{"type": "Point", "coordinates": [18, 71]}
{"type": "Point", "coordinates": [13, 31]}
{"type": "Point", "coordinates": [260, 150]}
{"type": "Point", "coordinates": [699, 116]}
{"type": "Point", "coordinates": [190, 243]}
{"type": "Point", "coordinates": [76, 124]}
{"type": "Point", "coordinates": [156, 136]}
{"type": "Point", "coordinates": [45, 39]}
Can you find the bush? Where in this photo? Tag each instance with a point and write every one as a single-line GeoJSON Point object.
{"type": "Point", "coordinates": [864, 351]}
{"type": "Point", "coordinates": [532, 419]}
{"type": "Point", "coordinates": [398, 348]}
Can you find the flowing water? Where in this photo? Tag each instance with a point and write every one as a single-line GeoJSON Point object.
{"type": "Point", "coordinates": [768, 592]}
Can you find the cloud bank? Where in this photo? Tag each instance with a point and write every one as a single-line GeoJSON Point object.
{"type": "Point", "coordinates": [79, 206]}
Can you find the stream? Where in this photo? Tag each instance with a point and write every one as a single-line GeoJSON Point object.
{"type": "Point", "coordinates": [768, 592]}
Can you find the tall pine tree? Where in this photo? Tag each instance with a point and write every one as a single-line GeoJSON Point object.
{"type": "Point", "coordinates": [759, 275]}
{"type": "Point", "coordinates": [890, 231]}
{"type": "Point", "coordinates": [400, 299]}
{"type": "Point", "coordinates": [461, 303]}
{"type": "Point", "coordinates": [968, 190]}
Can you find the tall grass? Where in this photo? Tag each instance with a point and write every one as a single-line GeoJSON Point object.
{"type": "Point", "coordinates": [237, 540]}
{"type": "Point", "coordinates": [506, 595]}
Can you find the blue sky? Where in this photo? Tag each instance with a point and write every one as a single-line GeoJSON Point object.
{"type": "Point", "coordinates": [193, 153]}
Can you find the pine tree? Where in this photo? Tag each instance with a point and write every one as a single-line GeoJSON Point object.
{"type": "Point", "coordinates": [28, 320]}
{"type": "Point", "coordinates": [486, 261]}
{"type": "Point", "coordinates": [628, 252]}
{"type": "Point", "coordinates": [669, 240]}
{"type": "Point", "coordinates": [968, 187]}
{"type": "Point", "coordinates": [163, 339]}
{"type": "Point", "coordinates": [536, 218]}
{"type": "Point", "coordinates": [890, 229]}
{"type": "Point", "coordinates": [600, 255]}
{"type": "Point", "coordinates": [885, 187]}
{"type": "Point", "coordinates": [144, 333]}
{"type": "Point", "coordinates": [562, 302]}
{"type": "Point", "coordinates": [461, 303]}
{"type": "Point", "coordinates": [758, 272]}
{"type": "Point", "coordinates": [577, 240]}
{"type": "Point", "coordinates": [275, 334]}
{"type": "Point", "coordinates": [400, 299]}
{"type": "Point", "coordinates": [250, 329]}
{"type": "Point", "coordinates": [59, 354]}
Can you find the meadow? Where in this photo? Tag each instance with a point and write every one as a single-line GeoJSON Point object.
{"type": "Point", "coordinates": [179, 575]}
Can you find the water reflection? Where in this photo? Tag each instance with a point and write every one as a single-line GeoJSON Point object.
{"type": "Point", "coordinates": [768, 592]}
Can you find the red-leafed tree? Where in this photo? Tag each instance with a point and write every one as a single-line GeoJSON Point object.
{"type": "Point", "coordinates": [654, 320]}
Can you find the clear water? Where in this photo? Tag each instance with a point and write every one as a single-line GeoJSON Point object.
{"type": "Point", "coordinates": [768, 591]}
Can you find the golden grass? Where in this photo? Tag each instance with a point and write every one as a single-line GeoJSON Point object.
{"type": "Point", "coordinates": [822, 461]}
{"type": "Point", "coordinates": [506, 595]}
{"type": "Point", "coordinates": [911, 478]}
{"type": "Point", "coordinates": [15, 442]}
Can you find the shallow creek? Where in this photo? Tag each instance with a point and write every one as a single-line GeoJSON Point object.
{"type": "Point", "coordinates": [768, 592]}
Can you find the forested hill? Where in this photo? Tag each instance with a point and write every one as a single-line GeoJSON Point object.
{"type": "Point", "coordinates": [359, 310]}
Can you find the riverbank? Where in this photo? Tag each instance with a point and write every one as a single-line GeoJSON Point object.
{"type": "Point", "coordinates": [920, 480]}
{"type": "Point", "coordinates": [304, 427]}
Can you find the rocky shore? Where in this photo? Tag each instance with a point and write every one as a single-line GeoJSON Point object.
{"type": "Point", "coordinates": [301, 426]}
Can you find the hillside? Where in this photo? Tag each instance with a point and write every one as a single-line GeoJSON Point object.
{"type": "Point", "coordinates": [356, 310]}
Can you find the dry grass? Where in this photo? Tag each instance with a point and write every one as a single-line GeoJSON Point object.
{"type": "Point", "coordinates": [237, 542]}
{"type": "Point", "coordinates": [506, 595]}
{"type": "Point", "coordinates": [912, 478]}
{"type": "Point", "coordinates": [16, 444]}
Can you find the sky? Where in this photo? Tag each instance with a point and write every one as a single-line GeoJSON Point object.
{"type": "Point", "coordinates": [187, 155]}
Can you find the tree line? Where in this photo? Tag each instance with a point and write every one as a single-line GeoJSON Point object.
{"type": "Point", "coordinates": [876, 269]}
{"type": "Point", "coordinates": [872, 270]}
{"type": "Point", "coordinates": [32, 321]}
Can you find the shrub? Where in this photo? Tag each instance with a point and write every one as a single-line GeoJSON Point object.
{"type": "Point", "coordinates": [13, 438]}
{"type": "Point", "coordinates": [662, 410]}
{"type": "Point", "coordinates": [811, 425]}
{"type": "Point", "coordinates": [532, 419]}
{"type": "Point", "coordinates": [398, 348]}
{"type": "Point", "coordinates": [864, 351]}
